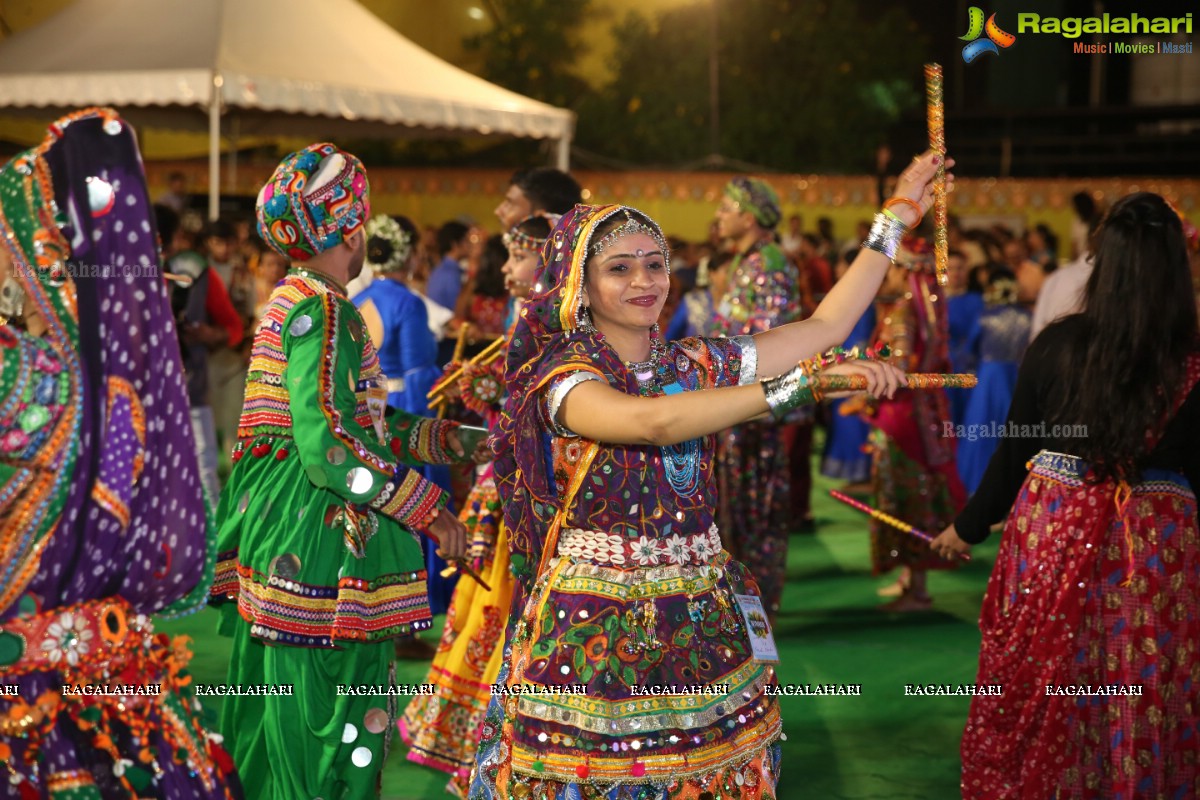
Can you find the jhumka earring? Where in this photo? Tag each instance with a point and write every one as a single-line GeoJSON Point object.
{"type": "Point", "coordinates": [583, 320]}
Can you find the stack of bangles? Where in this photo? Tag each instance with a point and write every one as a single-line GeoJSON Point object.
{"type": "Point", "coordinates": [798, 386]}
{"type": "Point", "coordinates": [888, 229]}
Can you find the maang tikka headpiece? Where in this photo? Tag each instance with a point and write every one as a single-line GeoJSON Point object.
{"type": "Point", "coordinates": [629, 227]}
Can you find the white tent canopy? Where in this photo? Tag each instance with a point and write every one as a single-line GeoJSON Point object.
{"type": "Point", "coordinates": [294, 67]}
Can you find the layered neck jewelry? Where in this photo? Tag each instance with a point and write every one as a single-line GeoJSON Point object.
{"type": "Point", "coordinates": [646, 371]}
{"type": "Point", "coordinates": [681, 462]}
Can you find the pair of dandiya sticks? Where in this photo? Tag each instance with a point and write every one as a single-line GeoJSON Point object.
{"type": "Point", "coordinates": [849, 383]}
{"type": "Point", "coordinates": [834, 383]}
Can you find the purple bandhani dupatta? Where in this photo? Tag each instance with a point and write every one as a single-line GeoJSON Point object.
{"type": "Point", "coordinates": [135, 522]}
{"type": "Point", "coordinates": [135, 525]}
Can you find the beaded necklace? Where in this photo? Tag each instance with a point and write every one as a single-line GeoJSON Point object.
{"type": "Point", "coordinates": [681, 462]}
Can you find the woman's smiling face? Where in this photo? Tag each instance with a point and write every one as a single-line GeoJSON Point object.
{"type": "Point", "coordinates": [627, 284]}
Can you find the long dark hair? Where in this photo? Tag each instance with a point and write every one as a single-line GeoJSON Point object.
{"type": "Point", "coordinates": [538, 227]}
{"type": "Point", "coordinates": [1138, 327]}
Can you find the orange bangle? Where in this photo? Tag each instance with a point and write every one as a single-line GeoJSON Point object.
{"type": "Point", "coordinates": [905, 201]}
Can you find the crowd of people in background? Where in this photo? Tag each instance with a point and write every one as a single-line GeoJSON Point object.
{"type": "Point", "coordinates": [1005, 286]}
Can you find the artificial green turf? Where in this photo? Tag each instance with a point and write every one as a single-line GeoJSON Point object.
{"type": "Point", "coordinates": [880, 745]}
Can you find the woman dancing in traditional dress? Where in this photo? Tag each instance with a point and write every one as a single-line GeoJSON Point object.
{"type": "Point", "coordinates": [997, 343]}
{"type": "Point", "coordinates": [913, 468]}
{"type": "Point", "coordinates": [395, 315]}
{"type": "Point", "coordinates": [637, 671]}
{"type": "Point", "coordinates": [1091, 621]}
{"type": "Point", "coordinates": [441, 730]}
{"type": "Point", "coordinates": [102, 517]}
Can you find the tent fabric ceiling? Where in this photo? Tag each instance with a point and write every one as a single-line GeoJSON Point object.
{"type": "Point", "coordinates": [314, 58]}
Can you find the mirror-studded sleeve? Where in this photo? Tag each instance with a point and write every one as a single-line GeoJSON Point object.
{"type": "Point", "coordinates": [339, 454]}
{"type": "Point", "coordinates": [718, 361]}
{"type": "Point", "coordinates": [421, 440]}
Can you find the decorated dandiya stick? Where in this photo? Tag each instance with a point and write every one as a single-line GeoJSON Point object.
{"type": "Point", "coordinates": [916, 380]}
{"type": "Point", "coordinates": [887, 519]}
{"type": "Point", "coordinates": [936, 115]}
{"type": "Point", "coordinates": [485, 357]}
{"type": "Point", "coordinates": [460, 346]}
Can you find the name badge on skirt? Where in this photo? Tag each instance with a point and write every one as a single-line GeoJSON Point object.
{"type": "Point", "coordinates": [762, 643]}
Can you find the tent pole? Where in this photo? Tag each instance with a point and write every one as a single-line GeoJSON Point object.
{"type": "Point", "coordinates": [231, 172]}
{"type": "Point", "coordinates": [563, 154]}
{"type": "Point", "coordinates": [214, 150]}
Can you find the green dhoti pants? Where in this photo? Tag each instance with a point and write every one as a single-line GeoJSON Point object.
{"type": "Point", "coordinates": [314, 743]}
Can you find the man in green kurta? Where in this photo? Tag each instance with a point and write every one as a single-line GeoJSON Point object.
{"type": "Point", "coordinates": [318, 523]}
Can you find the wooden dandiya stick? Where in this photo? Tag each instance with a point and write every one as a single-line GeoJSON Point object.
{"type": "Point", "coordinates": [916, 380]}
{"type": "Point", "coordinates": [936, 115]}
{"type": "Point", "coordinates": [459, 346]}
{"type": "Point", "coordinates": [887, 519]}
{"type": "Point", "coordinates": [461, 564]}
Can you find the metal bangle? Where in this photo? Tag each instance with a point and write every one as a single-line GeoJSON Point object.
{"type": "Point", "coordinates": [790, 390]}
{"type": "Point", "coordinates": [885, 235]}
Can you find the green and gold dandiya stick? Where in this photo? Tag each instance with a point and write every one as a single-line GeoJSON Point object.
{"type": "Point", "coordinates": [916, 380]}
{"type": "Point", "coordinates": [887, 519]}
{"type": "Point", "coordinates": [936, 115]}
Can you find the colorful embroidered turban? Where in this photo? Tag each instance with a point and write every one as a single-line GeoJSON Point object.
{"type": "Point", "coordinates": [317, 198]}
{"type": "Point", "coordinates": [757, 197]}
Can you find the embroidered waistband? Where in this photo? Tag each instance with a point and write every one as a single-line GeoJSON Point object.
{"type": "Point", "coordinates": [613, 549]}
{"type": "Point", "coordinates": [288, 612]}
{"type": "Point", "coordinates": [1072, 470]}
{"type": "Point", "coordinates": [1066, 465]}
{"type": "Point", "coordinates": [84, 639]}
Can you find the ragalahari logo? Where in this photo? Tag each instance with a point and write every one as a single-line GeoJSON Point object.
{"type": "Point", "coordinates": [996, 38]}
